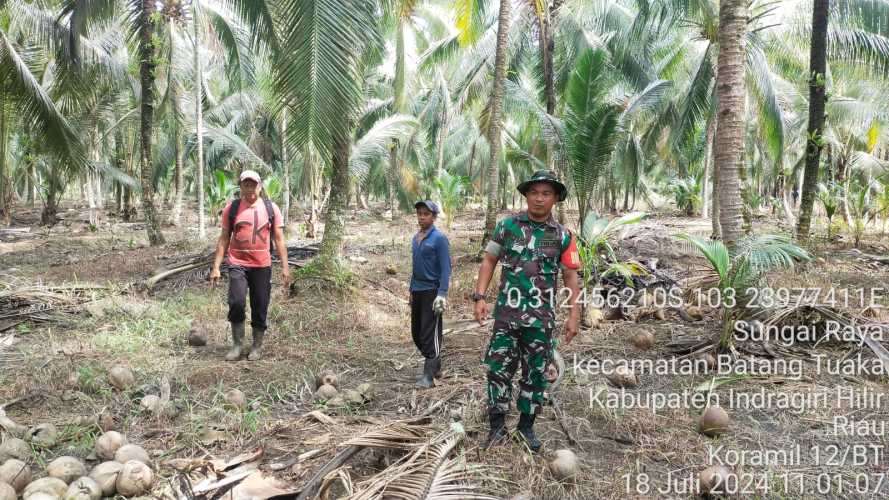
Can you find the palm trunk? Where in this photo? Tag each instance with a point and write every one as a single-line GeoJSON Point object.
{"type": "Point", "coordinates": [32, 195]}
{"type": "Point", "coordinates": [285, 161]}
{"type": "Point", "coordinates": [146, 77]}
{"type": "Point", "coordinates": [199, 129]}
{"type": "Point", "coordinates": [708, 162]}
{"type": "Point", "coordinates": [6, 191]}
{"type": "Point", "coordinates": [817, 100]}
{"type": "Point", "coordinates": [393, 178]}
{"type": "Point", "coordinates": [398, 105]}
{"type": "Point", "coordinates": [494, 127]}
{"type": "Point", "coordinates": [730, 89]}
{"type": "Point", "coordinates": [334, 224]}
{"type": "Point", "coordinates": [178, 183]}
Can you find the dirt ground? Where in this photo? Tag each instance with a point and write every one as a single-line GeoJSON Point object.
{"type": "Point", "coordinates": [360, 328]}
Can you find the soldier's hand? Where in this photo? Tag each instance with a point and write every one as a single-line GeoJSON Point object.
{"type": "Point", "coordinates": [214, 276]}
{"type": "Point", "coordinates": [571, 329]}
{"type": "Point", "coordinates": [481, 311]}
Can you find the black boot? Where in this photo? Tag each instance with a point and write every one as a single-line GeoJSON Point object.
{"type": "Point", "coordinates": [436, 367]}
{"type": "Point", "coordinates": [237, 338]}
{"type": "Point", "coordinates": [497, 432]}
{"type": "Point", "coordinates": [256, 349]}
{"type": "Point", "coordinates": [526, 432]}
{"type": "Point", "coordinates": [426, 381]}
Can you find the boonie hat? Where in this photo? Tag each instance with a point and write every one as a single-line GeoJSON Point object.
{"type": "Point", "coordinates": [544, 176]}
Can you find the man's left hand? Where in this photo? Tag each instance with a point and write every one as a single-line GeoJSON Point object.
{"type": "Point", "coordinates": [571, 328]}
{"type": "Point", "coordinates": [285, 279]}
{"type": "Point", "coordinates": [439, 304]}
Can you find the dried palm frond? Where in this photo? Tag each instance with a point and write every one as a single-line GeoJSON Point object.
{"type": "Point", "coordinates": [427, 473]}
{"type": "Point", "coordinates": [398, 436]}
{"type": "Point", "coordinates": [27, 302]}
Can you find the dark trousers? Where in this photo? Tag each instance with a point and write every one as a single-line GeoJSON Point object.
{"type": "Point", "coordinates": [258, 280]}
{"type": "Point", "coordinates": [426, 326]}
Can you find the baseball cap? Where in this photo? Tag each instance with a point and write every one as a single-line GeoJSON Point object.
{"type": "Point", "coordinates": [429, 204]}
{"type": "Point", "coordinates": [250, 174]}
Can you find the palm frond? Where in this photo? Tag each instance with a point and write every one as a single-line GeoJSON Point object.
{"type": "Point", "coordinates": [714, 251]}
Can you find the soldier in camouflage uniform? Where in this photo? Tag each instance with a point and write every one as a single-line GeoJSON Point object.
{"type": "Point", "coordinates": [532, 247]}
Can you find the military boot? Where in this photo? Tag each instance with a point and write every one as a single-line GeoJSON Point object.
{"type": "Point", "coordinates": [237, 339]}
{"type": "Point", "coordinates": [526, 434]}
{"type": "Point", "coordinates": [426, 381]}
{"type": "Point", "coordinates": [256, 348]}
{"type": "Point", "coordinates": [497, 432]}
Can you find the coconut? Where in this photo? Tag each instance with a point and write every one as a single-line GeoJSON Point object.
{"type": "Point", "coordinates": [7, 492]}
{"type": "Point", "coordinates": [135, 478]}
{"type": "Point", "coordinates": [41, 495]}
{"type": "Point", "coordinates": [325, 392]}
{"type": "Point", "coordinates": [623, 377]}
{"type": "Point", "coordinates": [105, 421]}
{"type": "Point", "coordinates": [43, 435]}
{"type": "Point", "coordinates": [105, 475]}
{"type": "Point", "coordinates": [714, 422]}
{"type": "Point", "coordinates": [336, 401]}
{"type": "Point", "coordinates": [564, 465]}
{"type": "Point", "coordinates": [594, 316]}
{"type": "Point", "coordinates": [130, 452]}
{"type": "Point", "coordinates": [708, 359]}
{"type": "Point", "coordinates": [15, 473]}
{"type": "Point", "coordinates": [695, 312]}
{"type": "Point", "coordinates": [108, 443]}
{"type": "Point", "coordinates": [713, 479]}
{"type": "Point", "coordinates": [390, 269]}
{"type": "Point", "coordinates": [236, 398]}
{"type": "Point", "coordinates": [84, 488]}
{"type": "Point", "coordinates": [326, 377]}
{"type": "Point", "coordinates": [15, 448]}
{"type": "Point", "coordinates": [367, 390]}
{"type": "Point", "coordinates": [66, 468]}
{"type": "Point", "coordinates": [197, 337]}
{"type": "Point", "coordinates": [49, 485]}
{"type": "Point", "coordinates": [151, 403]}
{"type": "Point", "coordinates": [121, 377]}
{"type": "Point", "coordinates": [643, 340]}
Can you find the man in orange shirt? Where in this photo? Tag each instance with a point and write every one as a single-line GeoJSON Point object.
{"type": "Point", "coordinates": [246, 239]}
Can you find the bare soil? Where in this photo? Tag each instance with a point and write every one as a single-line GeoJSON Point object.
{"type": "Point", "coordinates": [361, 330]}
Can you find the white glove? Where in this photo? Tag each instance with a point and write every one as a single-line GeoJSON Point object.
{"type": "Point", "coordinates": [439, 304]}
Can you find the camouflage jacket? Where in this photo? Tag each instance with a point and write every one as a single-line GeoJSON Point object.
{"type": "Point", "coordinates": [530, 253]}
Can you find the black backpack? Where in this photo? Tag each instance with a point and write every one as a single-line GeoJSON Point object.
{"type": "Point", "coordinates": [233, 212]}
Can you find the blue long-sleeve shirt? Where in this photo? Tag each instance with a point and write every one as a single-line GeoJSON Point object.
{"type": "Point", "coordinates": [431, 263]}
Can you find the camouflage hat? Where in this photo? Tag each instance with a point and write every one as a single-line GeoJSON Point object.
{"type": "Point", "coordinates": [545, 176]}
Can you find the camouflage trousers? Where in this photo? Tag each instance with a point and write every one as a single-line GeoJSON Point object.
{"type": "Point", "coordinates": [532, 347]}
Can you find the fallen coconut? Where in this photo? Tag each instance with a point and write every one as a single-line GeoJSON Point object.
{"type": "Point", "coordinates": [336, 401]}
{"type": "Point", "coordinates": [85, 488]}
{"type": "Point", "coordinates": [564, 465]}
{"type": "Point", "coordinates": [66, 468]}
{"type": "Point", "coordinates": [197, 337]}
{"type": "Point", "coordinates": [108, 443]}
{"type": "Point", "coordinates": [326, 377]}
{"type": "Point", "coordinates": [707, 359]}
{"type": "Point", "coordinates": [390, 269]}
{"type": "Point", "coordinates": [121, 377]}
{"type": "Point", "coordinates": [15, 448]}
{"type": "Point", "coordinates": [49, 485]}
{"type": "Point", "coordinates": [367, 390]}
{"type": "Point", "coordinates": [643, 340]}
{"type": "Point", "coordinates": [622, 376]}
{"type": "Point", "coordinates": [151, 403]}
{"type": "Point", "coordinates": [713, 479]}
{"type": "Point", "coordinates": [130, 452]}
{"type": "Point", "coordinates": [105, 475]}
{"type": "Point", "coordinates": [135, 478]}
{"type": "Point", "coordinates": [105, 421]}
{"type": "Point", "coordinates": [714, 422]}
{"type": "Point", "coordinates": [236, 399]}
{"type": "Point", "coordinates": [41, 495]}
{"type": "Point", "coordinates": [325, 392]}
{"type": "Point", "coordinates": [696, 313]}
{"type": "Point", "coordinates": [43, 435]}
{"type": "Point", "coordinates": [7, 492]}
{"type": "Point", "coordinates": [15, 473]}
{"type": "Point", "coordinates": [594, 317]}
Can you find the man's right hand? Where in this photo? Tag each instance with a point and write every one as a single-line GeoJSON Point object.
{"type": "Point", "coordinates": [481, 311]}
{"type": "Point", "coordinates": [214, 276]}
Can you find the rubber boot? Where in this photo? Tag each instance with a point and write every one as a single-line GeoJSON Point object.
{"type": "Point", "coordinates": [436, 367]}
{"type": "Point", "coordinates": [237, 339]}
{"type": "Point", "coordinates": [256, 348]}
{"type": "Point", "coordinates": [526, 434]}
{"type": "Point", "coordinates": [497, 432]}
{"type": "Point", "coordinates": [426, 381]}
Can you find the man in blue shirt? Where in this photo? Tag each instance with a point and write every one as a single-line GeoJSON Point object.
{"type": "Point", "coordinates": [429, 289]}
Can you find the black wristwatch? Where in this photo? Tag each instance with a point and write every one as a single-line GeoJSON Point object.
{"type": "Point", "coordinates": [477, 296]}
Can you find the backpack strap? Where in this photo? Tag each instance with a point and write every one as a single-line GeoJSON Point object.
{"type": "Point", "coordinates": [270, 211]}
{"type": "Point", "coordinates": [232, 214]}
